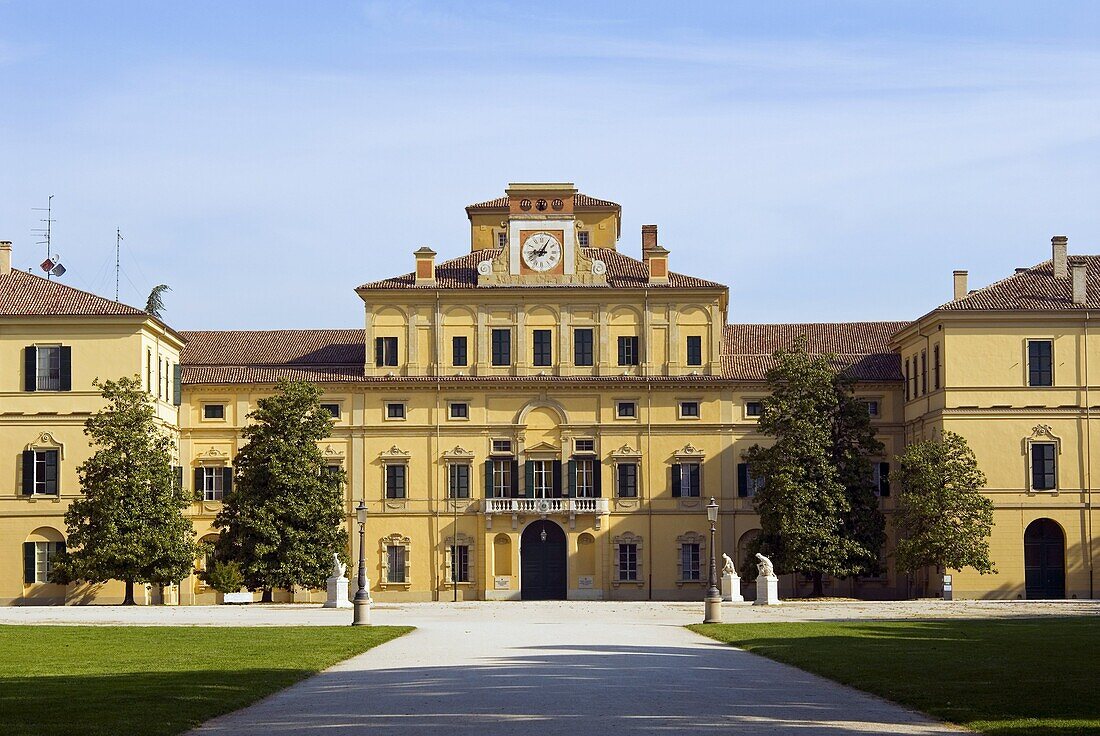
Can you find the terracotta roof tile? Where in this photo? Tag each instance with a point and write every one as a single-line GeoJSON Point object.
{"type": "Point", "coordinates": [24, 294]}
{"type": "Point", "coordinates": [274, 347]}
{"type": "Point", "coordinates": [1035, 289]}
{"type": "Point", "coordinates": [622, 272]}
{"type": "Point", "coordinates": [579, 200]}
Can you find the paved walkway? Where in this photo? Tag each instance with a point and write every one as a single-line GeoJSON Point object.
{"type": "Point", "coordinates": [562, 668]}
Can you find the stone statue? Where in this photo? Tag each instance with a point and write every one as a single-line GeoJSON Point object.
{"type": "Point", "coordinates": [728, 568]}
{"type": "Point", "coordinates": [764, 566]}
{"type": "Point", "coordinates": [339, 569]}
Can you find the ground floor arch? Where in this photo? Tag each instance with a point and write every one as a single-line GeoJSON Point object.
{"type": "Point", "coordinates": [542, 555]}
{"type": "Point", "coordinates": [1044, 560]}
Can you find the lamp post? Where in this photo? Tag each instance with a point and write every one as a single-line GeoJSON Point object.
{"type": "Point", "coordinates": [712, 603]}
{"type": "Point", "coordinates": [361, 614]}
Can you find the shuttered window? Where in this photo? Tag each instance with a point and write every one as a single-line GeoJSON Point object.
{"type": "Point", "coordinates": [628, 350]}
{"type": "Point", "coordinates": [395, 480]}
{"type": "Point", "coordinates": [38, 559]}
{"type": "Point", "coordinates": [627, 480]}
{"type": "Point", "coordinates": [694, 350]}
{"type": "Point", "coordinates": [502, 347]}
{"type": "Point", "coordinates": [582, 347]}
{"type": "Point", "coordinates": [1040, 363]}
{"type": "Point", "coordinates": [543, 353]}
{"type": "Point", "coordinates": [685, 480]}
{"type": "Point", "coordinates": [47, 368]}
{"type": "Point", "coordinates": [385, 351]}
{"type": "Point", "coordinates": [1043, 466]}
{"type": "Point", "coordinates": [460, 563]}
{"type": "Point", "coordinates": [459, 357]}
{"type": "Point", "coordinates": [458, 481]}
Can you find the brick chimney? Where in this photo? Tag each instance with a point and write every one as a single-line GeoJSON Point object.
{"type": "Point", "coordinates": [1059, 246]}
{"type": "Point", "coordinates": [425, 265]}
{"type": "Point", "coordinates": [5, 257]}
{"type": "Point", "coordinates": [960, 285]}
{"type": "Point", "coordinates": [1080, 290]}
{"type": "Point", "coordinates": [649, 238]}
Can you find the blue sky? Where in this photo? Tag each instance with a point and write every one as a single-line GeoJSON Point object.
{"type": "Point", "coordinates": [827, 161]}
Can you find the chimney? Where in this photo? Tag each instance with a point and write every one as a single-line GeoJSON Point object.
{"type": "Point", "coordinates": [1078, 271]}
{"type": "Point", "coordinates": [5, 257]}
{"type": "Point", "coordinates": [960, 285]}
{"type": "Point", "coordinates": [649, 238]}
{"type": "Point", "coordinates": [425, 265]}
{"type": "Point", "coordinates": [1060, 246]}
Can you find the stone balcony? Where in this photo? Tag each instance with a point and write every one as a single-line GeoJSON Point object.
{"type": "Point", "coordinates": [547, 506]}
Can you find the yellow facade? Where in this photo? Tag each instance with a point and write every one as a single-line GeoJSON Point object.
{"type": "Point", "coordinates": [621, 378]}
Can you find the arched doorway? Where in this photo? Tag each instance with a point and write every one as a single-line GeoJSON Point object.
{"type": "Point", "coordinates": [1044, 560]}
{"type": "Point", "coordinates": [542, 562]}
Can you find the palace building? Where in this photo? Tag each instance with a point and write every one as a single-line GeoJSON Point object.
{"type": "Point", "coordinates": [545, 416]}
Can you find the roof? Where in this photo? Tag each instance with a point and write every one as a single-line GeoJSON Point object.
{"type": "Point", "coordinates": [623, 272]}
{"type": "Point", "coordinates": [862, 348]}
{"type": "Point", "coordinates": [1036, 289]}
{"type": "Point", "coordinates": [24, 294]}
{"type": "Point", "coordinates": [337, 356]}
{"type": "Point", "coordinates": [579, 201]}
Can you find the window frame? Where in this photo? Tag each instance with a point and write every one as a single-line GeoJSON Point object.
{"type": "Point", "coordinates": [587, 466]}
{"type": "Point", "coordinates": [206, 414]}
{"type": "Point", "coordinates": [685, 408]}
{"type": "Point", "coordinates": [627, 465]}
{"type": "Point", "coordinates": [629, 349]}
{"type": "Point", "coordinates": [693, 564]}
{"type": "Point", "coordinates": [384, 356]}
{"type": "Point", "coordinates": [760, 408]}
{"type": "Point", "coordinates": [500, 339]}
{"type": "Point", "coordinates": [632, 416]}
{"type": "Point", "coordinates": [542, 348]}
{"type": "Point", "coordinates": [460, 563]}
{"type": "Point", "coordinates": [397, 563]}
{"type": "Point", "coordinates": [53, 350]}
{"type": "Point", "coordinates": [1032, 371]}
{"type": "Point", "coordinates": [583, 239]}
{"type": "Point", "coordinates": [1052, 474]}
{"type": "Point", "coordinates": [213, 483]}
{"type": "Point", "coordinates": [390, 490]}
{"type": "Point", "coordinates": [329, 406]}
{"type": "Point", "coordinates": [583, 351]}
{"type": "Point", "coordinates": [506, 446]}
{"type": "Point", "coordinates": [46, 453]}
{"type": "Point", "coordinates": [401, 416]}
{"type": "Point", "coordinates": [456, 341]}
{"type": "Point", "coordinates": [455, 489]}
{"type": "Point", "coordinates": [694, 353]}
{"type": "Point", "coordinates": [464, 416]}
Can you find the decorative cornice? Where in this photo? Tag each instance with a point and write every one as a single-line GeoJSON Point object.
{"type": "Point", "coordinates": [394, 452]}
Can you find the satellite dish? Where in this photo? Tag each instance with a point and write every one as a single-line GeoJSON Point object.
{"type": "Point", "coordinates": [58, 270]}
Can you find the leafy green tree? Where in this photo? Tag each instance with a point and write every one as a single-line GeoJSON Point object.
{"type": "Point", "coordinates": [282, 521]}
{"type": "Point", "coordinates": [942, 518]}
{"type": "Point", "coordinates": [128, 525]}
{"type": "Point", "coordinates": [818, 512]}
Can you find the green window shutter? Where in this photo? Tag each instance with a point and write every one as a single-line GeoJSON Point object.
{"type": "Point", "coordinates": [227, 480]}
{"type": "Point", "coordinates": [742, 479]}
{"type": "Point", "coordinates": [513, 481]}
{"type": "Point", "coordinates": [557, 479]}
{"type": "Point", "coordinates": [528, 480]}
{"type": "Point", "coordinates": [30, 368]}
{"type": "Point", "coordinates": [488, 479]}
{"type": "Point", "coordinates": [884, 479]}
{"type": "Point", "coordinates": [177, 473]}
{"type": "Point", "coordinates": [177, 384]}
{"type": "Point", "coordinates": [28, 472]}
{"type": "Point", "coordinates": [676, 478]}
{"type": "Point", "coordinates": [28, 563]}
{"type": "Point", "coordinates": [198, 481]}
{"type": "Point", "coordinates": [66, 368]}
{"type": "Point", "coordinates": [597, 478]}
{"type": "Point", "coordinates": [571, 479]}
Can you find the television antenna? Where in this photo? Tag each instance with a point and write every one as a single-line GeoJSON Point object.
{"type": "Point", "coordinates": [52, 265]}
{"type": "Point", "coordinates": [118, 243]}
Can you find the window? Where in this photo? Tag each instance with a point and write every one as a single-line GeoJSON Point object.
{"type": "Point", "coordinates": [43, 476]}
{"type": "Point", "coordinates": [385, 351]}
{"type": "Point", "coordinates": [502, 479]}
{"type": "Point", "coordinates": [160, 377]}
{"type": "Point", "coordinates": [212, 483]}
{"type": "Point", "coordinates": [685, 480]}
{"type": "Point", "coordinates": [460, 410]}
{"type": "Point", "coordinates": [880, 478]}
{"type": "Point", "coordinates": [460, 563]}
{"type": "Point", "coordinates": [628, 350]}
{"type": "Point", "coordinates": [936, 366]}
{"type": "Point", "coordinates": [458, 481]}
{"type": "Point", "coordinates": [689, 409]}
{"type": "Point", "coordinates": [458, 351]}
{"type": "Point", "coordinates": [627, 480]}
{"type": "Point", "coordinates": [395, 480]}
{"type": "Point", "coordinates": [542, 350]}
{"type": "Point", "coordinates": [149, 370]}
{"type": "Point", "coordinates": [907, 397]}
{"type": "Point", "coordinates": [626, 409]}
{"type": "Point", "coordinates": [502, 239]}
{"type": "Point", "coordinates": [502, 447]}
{"type": "Point", "coordinates": [748, 485]}
{"type": "Point", "coordinates": [694, 350]}
{"type": "Point", "coordinates": [333, 409]}
{"type": "Point", "coordinates": [584, 444]}
{"type": "Point", "coordinates": [582, 238]}
{"type": "Point", "coordinates": [542, 476]}
{"type": "Point", "coordinates": [395, 410]}
{"type": "Point", "coordinates": [38, 559]}
{"type": "Point", "coordinates": [1043, 470]}
{"type": "Point", "coordinates": [628, 562]}
{"type": "Point", "coordinates": [395, 563]}
{"type": "Point", "coordinates": [586, 478]}
{"type": "Point", "coordinates": [916, 376]}
{"type": "Point", "coordinates": [502, 347]}
{"type": "Point", "coordinates": [582, 346]}
{"type": "Point", "coordinates": [753, 408]}
{"type": "Point", "coordinates": [49, 368]}
{"type": "Point", "coordinates": [872, 408]}
{"type": "Point", "coordinates": [1040, 363]}
{"type": "Point", "coordinates": [213, 411]}
{"type": "Point", "coordinates": [689, 561]}
{"type": "Point", "coordinates": [923, 372]}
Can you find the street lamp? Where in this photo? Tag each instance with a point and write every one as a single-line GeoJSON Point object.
{"type": "Point", "coordinates": [361, 615]}
{"type": "Point", "coordinates": [712, 603]}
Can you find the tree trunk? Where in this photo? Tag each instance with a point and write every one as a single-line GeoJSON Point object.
{"type": "Point", "coordinates": [266, 597]}
{"type": "Point", "coordinates": [818, 590]}
{"type": "Point", "coordinates": [128, 600]}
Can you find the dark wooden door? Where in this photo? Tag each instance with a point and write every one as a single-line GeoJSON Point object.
{"type": "Point", "coordinates": [542, 562]}
{"type": "Point", "coordinates": [1044, 560]}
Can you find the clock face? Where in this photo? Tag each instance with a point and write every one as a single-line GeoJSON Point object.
{"type": "Point", "coordinates": [541, 252]}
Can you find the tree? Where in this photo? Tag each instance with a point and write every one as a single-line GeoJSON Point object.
{"type": "Point", "coordinates": [281, 522]}
{"type": "Point", "coordinates": [818, 512]}
{"type": "Point", "coordinates": [128, 525]}
{"type": "Point", "coordinates": [154, 305]}
{"type": "Point", "coordinates": [942, 518]}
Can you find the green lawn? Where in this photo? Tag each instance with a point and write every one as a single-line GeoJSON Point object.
{"type": "Point", "coordinates": [1030, 676]}
{"type": "Point", "coordinates": [141, 681]}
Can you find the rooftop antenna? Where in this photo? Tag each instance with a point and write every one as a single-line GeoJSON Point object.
{"type": "Point", "coordinates": [45, 232]}
{"type": "Point", "coordinates": [118, 242]}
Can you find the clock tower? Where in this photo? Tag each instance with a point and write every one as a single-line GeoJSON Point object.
{"type": "Point", "coordinates": [541, 245]}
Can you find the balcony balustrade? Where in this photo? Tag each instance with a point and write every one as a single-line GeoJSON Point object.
{"type": "Point", "coordinates": [546, 506]}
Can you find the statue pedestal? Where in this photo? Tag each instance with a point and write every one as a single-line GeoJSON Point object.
{"type": "Point", "coordinates": [337, 593]}
{"type": "Point", "coordinates": [767, 590]}
{"type": "Point", "coordinates": [731, 588]}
